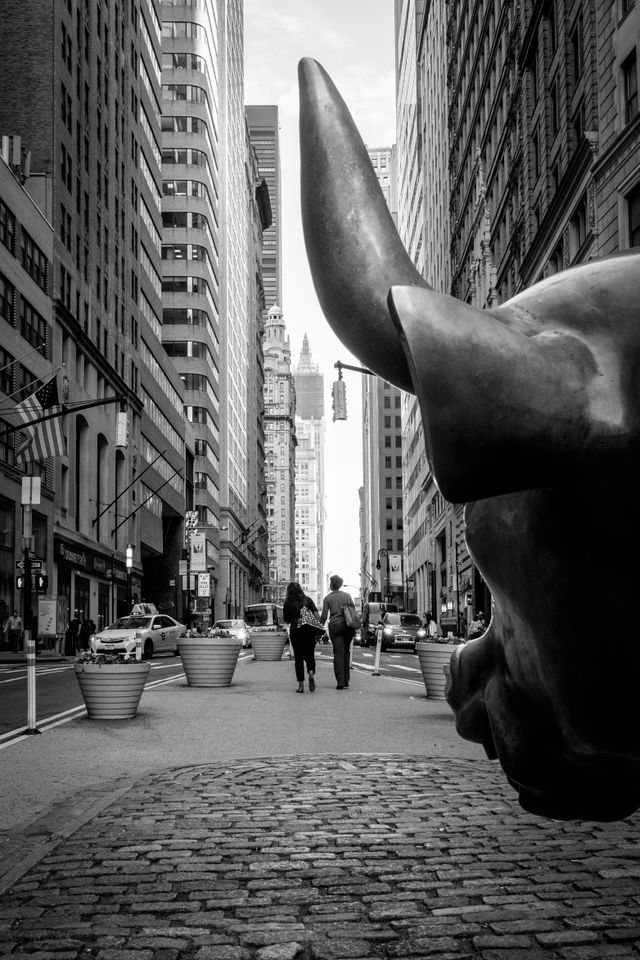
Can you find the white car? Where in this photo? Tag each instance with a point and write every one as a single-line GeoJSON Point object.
{"type": "Point", "coordinates": [159, 633]}
{"type": "Point", "coordinates": [238, 628]}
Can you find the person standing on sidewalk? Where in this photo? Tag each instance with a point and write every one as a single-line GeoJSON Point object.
{"type": "Point", "coordinates": [303, 638]}
{"type": "Point", "coordinates": [341, 635]}
{"type": "Point", "coordinates": [14, 632]}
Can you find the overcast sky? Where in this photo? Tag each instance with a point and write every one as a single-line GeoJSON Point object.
{"type": "Point", "coordinates": [353, 40]}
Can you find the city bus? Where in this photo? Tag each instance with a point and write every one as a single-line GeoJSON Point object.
{"type": "Point", "coordinates": [263, 615]}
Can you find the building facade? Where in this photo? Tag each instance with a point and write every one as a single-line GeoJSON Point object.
{"type": "Point", "coordinates": [280, 448]}
{"type": "Point", "coordinates": [541, 124]}
{"type": "Point", "coordinates": [309, 477]}
{"type": "Point", "coordinates": [264, 132]}
{"type": "Point", "coordinates": [382, 570]}
{"type": "Point", "coordinates": [90, 117]}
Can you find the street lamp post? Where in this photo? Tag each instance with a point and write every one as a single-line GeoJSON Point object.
{"type": "Point", "coordinates": [129, 564]}
{"type": "Point", "coordinates": [384, 553]}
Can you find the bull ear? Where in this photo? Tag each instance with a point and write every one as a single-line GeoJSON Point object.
{"type": "Point", "coordinates": [502, 411]}
{"type": "Point", "coordinates": [354, 250]}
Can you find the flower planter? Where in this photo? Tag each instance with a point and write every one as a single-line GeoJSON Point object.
{"type": "Point", "coordinates": [433, 657]}
{"type": "Point", "coordinates": [112, 691]}
{"type": "Point", "coordinates": [268, 646]}
{"type": "Point", "coordinates": [209, 661]}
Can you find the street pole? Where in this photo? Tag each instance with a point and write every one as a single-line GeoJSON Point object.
{"type": "Point", "coordinates": [129, 563]}
{"type": "Point", "coordinates": [30, 494]}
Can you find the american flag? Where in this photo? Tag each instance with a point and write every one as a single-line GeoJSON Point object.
{"type": "Point", "coordinates": [44, 439]}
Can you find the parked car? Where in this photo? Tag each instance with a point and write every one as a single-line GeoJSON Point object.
{"type": "Point", "coordinates": [238, 628]}
{"type": "Point", "coordinates": [159, 634]}
{"type": "Point", "coordinates": [401, 630]}
{"type": "Point", "coordinates": [372, 614]}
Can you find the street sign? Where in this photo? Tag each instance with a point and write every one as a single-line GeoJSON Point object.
{"type": "Point", "coordinates": [35, 564]}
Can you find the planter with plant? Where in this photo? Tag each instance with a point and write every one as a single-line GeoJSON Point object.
{"type": "Point", "coordinates": [268, 642]}
{"type": "Point", "coordinates": [111, 684]}
{"type": "Point", "coordinates": [434, 656]}
{"type": "Point", "coordinates": [209, 659]}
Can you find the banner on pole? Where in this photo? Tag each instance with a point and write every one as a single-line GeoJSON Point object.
{"type": "Point", "coordinates": [395, 569]}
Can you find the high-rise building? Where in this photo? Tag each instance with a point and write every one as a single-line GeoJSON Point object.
{"type": "Point", "coordinates": [433, 527]}
{"type": "Point", "coordinates": [381, 532]}
{"type": "Point", "coordinates": [541, 172]}
{"type": "Point", "coordinates": [27, 350]}
{"type": "Point", "coordinates": [280, 444]}
{"type": "Point", "coordinates": [264, 131]}
{"type": "Point", "coordinates": [82, 90]}
{"type": "Point", "coordinates": [309, 482]}
{"type": "Point", "coordinates": [210, 290]}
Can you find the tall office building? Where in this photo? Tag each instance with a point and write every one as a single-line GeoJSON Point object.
{"type": "Point", "coordinates": [381, 533]}
{"type": "Point", "coordinates": [280, 443]}
{"type": "Point", "coordinates": [540, 114]}
{"type": "Point", "coordinates": [209, 266]}
{"type": "Point", "coordinates": [433, 527]}
{"type": "Point", "coordinates": [82, 89]}
{"type": "Point", "coordinates": [263, 127]}
{"type": "Point", "coordinates": [309, 483]}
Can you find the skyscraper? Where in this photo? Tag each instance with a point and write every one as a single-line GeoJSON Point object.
{"type": "Point", "coordinates": [310, 488]}
{"type": "Point", "coordinates": [209, 319]}
{"type": "Point", "coordinates": [263, 128]}
{"type": "Point", "coordinates": [381, 533]}
{"type": "Point", "coordinates": [280, 442]}
{"type": "Point", "coordinates": [82, 90]}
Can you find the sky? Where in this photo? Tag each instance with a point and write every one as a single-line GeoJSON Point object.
{"type": "Point", "coordinates": [353, 40]}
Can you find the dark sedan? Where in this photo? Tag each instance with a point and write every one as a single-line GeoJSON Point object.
{"type": "Point", "coordinates": [401, 630]}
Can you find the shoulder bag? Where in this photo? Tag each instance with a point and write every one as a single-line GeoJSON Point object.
{"type": "Point", "coordinates": [351, 617]}
{"type": "Point", "coordinates": [307, 618]}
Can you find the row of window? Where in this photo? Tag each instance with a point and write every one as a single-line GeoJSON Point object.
{"type": "Point", "coordinates": [31, 256]}
{"type": "Point", "coordinates": [19, 313]}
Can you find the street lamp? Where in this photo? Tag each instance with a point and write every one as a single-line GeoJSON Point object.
{"type": "Point", "coordinates": [384, 553]}
{"type": "Point", "coordinates": [129, 565]}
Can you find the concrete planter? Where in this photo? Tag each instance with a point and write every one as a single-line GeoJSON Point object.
{"type": "Point", "coordinates": [433, 657]}
{"type": "Point", "coordinates": [268, 646]}
{"type": "Point", "coordinates": [112, 691]}
{"type": "Point", "coordinates": [209, 661]}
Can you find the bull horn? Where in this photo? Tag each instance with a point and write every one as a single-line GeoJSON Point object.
{"type": "Point", "coordinates": [354, 250]}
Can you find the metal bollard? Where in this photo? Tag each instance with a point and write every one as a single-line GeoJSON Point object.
{"type": "Point", "coordinates": [138, 645]}
{"type": "Point", "coordinates": [376, 663]}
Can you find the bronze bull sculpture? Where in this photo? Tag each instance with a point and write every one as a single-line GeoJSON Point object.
{"type": "Point", "coordinates": [531, 415]}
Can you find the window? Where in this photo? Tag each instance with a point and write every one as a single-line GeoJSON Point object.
{"type": "Point", "coordinates": [576, 50]}
{"type": "Point", "coordinates": [34, 260]}
{"type": "Point", "coordinates": [578, 228]}
{"type": "Point", "coordinates": [630, 76]}
{"type": "Point", "coordinates": [33, 327]}
{"type": "Point", "coordinates": [535, 148]}
{"type": "Point", "coordinates": [7, 227]}
{"type": "Point", "coordinates": [7, 293]}
{"type": "Point", "coordinates": [633, 205]}
{"type": "Point", "coordinates": [553, 108]}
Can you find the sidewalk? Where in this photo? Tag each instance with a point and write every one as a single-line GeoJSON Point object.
{"type": "Point", "coordinates": [254, 822]}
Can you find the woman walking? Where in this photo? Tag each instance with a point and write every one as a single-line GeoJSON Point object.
{"type": "Point", "coordinates": [302, 636]}
{"type": "Point", "coordinates": [341, 635]}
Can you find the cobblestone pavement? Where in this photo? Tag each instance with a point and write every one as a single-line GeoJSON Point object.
{"type": "Point", "coordinates": [338, 857]}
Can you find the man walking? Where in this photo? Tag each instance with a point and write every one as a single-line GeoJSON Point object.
{"type": "Point", "coordinates": [14, 632]}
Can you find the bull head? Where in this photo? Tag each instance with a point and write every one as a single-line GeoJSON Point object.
{"type": "Point", "coordinates": [531, 415]}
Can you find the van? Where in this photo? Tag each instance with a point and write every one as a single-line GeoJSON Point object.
{"type": "Point", "coordinates": [372, 614]}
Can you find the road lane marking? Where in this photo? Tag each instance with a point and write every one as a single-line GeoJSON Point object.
{"type": "Point", "coordinates": [73, 713]}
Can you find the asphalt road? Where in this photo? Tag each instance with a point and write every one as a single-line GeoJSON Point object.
{"type": "Point", "coordinates": [58, 694]}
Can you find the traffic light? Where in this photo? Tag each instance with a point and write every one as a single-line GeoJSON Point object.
{"type": "Point", "coordinates": [339, 400]}
{"type": "Point", "coordinates": [42, 582]}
